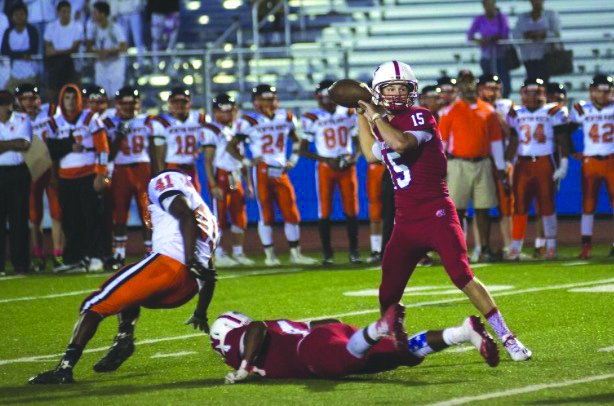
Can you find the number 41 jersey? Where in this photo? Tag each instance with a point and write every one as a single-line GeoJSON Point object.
{"type": "Point", "coordinates": [167, 238]}
{"type": "Point", "coordinates": [418, 173]}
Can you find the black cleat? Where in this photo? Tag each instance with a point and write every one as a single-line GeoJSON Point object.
{"type": "Point", "coordinates": [328, 260]}
{"type": "Point", "coordinates": [54, 377]}
{"type": "Point", "coordinates": [114, 263]}
{"type": "Point", "coordinates": [120, 351]}
{"type": "Point", "coordinates": [355, 258]}
{"type": "Point", "coordinates": [611, 254]}
{"type": "Point", "coordinates": [375, 258]}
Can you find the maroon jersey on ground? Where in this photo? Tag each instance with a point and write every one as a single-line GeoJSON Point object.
{"type": "Point", "coordinates": [279, 355]}
{"type": "Point", "coordinates": [419, 173]}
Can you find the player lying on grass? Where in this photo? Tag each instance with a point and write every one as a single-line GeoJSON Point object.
{"type": "Point", "coordinates": [279, 349]}
{"type": "Point", "coordinates": [184, 235]}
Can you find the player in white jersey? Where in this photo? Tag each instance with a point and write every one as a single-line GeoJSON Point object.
{"type": "Point", "coordinates": [267, 131]}
{"type": "Point", "coordinates": [130, 133]}
{"type": "Point", "coordinates": [333, 130]}
{"type": "Point", "coordinates": [224, 181]}
{"type": "Point", "coordinates": [179, 136]}
{"type": "Point", "coordinates": [180, 266]}
{"type": "Point", "coordinates": [596, 119]}
{"type": "Point", "coordinates": [79, 142]}
{"type": "Point", "coordinates": [490, 90]}
{"type": "Point", "coordinates": [30, 103]}
{"type": "Point", "coordinates": [537, 132]}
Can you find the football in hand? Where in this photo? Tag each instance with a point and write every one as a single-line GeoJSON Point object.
{"type": "Point", "coordinates": [347, 92]}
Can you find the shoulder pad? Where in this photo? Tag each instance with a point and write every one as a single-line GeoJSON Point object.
{"type": "Point", "coordinates": [249, 119]}
{"type": "Point", "coordinates": [310, 116]}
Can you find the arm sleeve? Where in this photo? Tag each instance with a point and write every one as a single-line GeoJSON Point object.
{"type": "Point", "coordinates": [554, 30]}
{"type": "Point", "coordinates": [307, 125]}
{"type": "Point", "coordinates": [473, 29]}
{"type": "Point", "coordinates": [494, 127]}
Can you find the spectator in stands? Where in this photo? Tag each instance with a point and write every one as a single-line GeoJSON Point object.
{"type": "Point", "coordinates": [40, 13]}
{"type": "Point", "coordinates": [537, 26]}
{"type": "Point", "coordinates": [164, 24]}
{"type": "Point", "coordinates": [62, 38]}
{"type": "Point", "coordinates": [20, 43]}
{"type": "Point", "coordinates": [5, 63]}
{"type": "Point", "coordinates": [129, 15]}
{"type": "Point", "coordinates": [492, 26]}
{"type": "Point", "coordinates": [471, 133]}
{"type": "Point", "coordinates": [15, 137]}
{"type": "Point", "coordinates": [108, 41]}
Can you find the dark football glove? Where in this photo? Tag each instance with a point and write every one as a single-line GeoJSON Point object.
{"type": "Point", "coordinates": [199, 322]}
{"type": "Point", "coordinates": [201, 271]}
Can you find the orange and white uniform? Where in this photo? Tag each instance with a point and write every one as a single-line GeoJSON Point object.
{"type": "Point", "coordinates": [267, 138]}
{"type": "Point", "coordinates": [534, 167]}
{"type": "Point", "coordinates": [228, 179]}
{"type": "Point", "coordinates": [132, 171]}
{"type": "Point", "coordinates": [89, 131]}
{"type": "Point", "coordinates": [41, 129]}
{"type": "Point", "coordinates": [598, 155]}
{"type": "Point", "coordinates": [506, 201]}
{"type": "Point", "coordinates": [161, 280]}
{"type": "Point", "coordinates": [332, 134]}
{"type": "Point", "coordinates": [184, 140]}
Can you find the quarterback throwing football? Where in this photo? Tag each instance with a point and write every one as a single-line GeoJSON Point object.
{"type": "Point", "coordinates": [407, 140]}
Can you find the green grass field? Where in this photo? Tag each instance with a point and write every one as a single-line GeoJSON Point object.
{"type": "Point", "coordinates": [562, 310]}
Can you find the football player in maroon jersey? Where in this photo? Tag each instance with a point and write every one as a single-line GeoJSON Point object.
{"type": "Point", "coordinates": [282, 349]}
{"type": "Point", "coordinates": [407, 140]}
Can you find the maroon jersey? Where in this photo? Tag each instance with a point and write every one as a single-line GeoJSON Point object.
{"type": "Point", "coordinates": [279, 354]}
{"type": "Point", "coordinates": [419, 173]}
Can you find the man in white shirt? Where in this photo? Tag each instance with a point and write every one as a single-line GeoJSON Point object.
{"type": "Point", "coordinates": [15, 137]}
{"type": "Point", "coordinates": [129, 15]}
{"type": "Point", "coordinates": [20, 43]}
{"type": "Point", "coordinates": [62, 38]}
{"type": "Point", "coordinates": [108, 41]}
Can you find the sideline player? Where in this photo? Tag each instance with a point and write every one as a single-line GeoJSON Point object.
{"type": "Point", "coordinates": [178, 136]}
{"type": "Point", "coordinates": [332, 129]}
{"type": "Point", "coordinates": [30, 102]}
{"type": "Point", "coordinates": [537, 131]}
{"type": "Point", "coordinates": [406, 138]}
{"type": "Point", "coordinates": [597, 120]}
{"type": "Point", "coordinates": [180, 266]}
{"type": "Point", "coordinates": [224, 181]}
{"type": "Point", "coordinates": [267, 131]}
{"type": "Point", "coordinates": [282, 349]}
{"type": "Point", "coordinates": [132, 155]}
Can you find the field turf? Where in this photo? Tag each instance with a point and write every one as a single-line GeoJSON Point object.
{"type": "Point", "coordinates": [562, 310]}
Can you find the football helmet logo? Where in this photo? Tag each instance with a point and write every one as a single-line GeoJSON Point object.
{"type": "Point", "coordinates": [394, 72]}
{"type": "Point", "coordinates": [225, 323]}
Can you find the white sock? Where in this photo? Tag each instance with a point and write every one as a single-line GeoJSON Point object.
{"type": "Point", "coordinates": [266, 234]}
{"type": "Point", "coordinates": [358, 344]}
{"type": "Point", "coordinates": [455, 335]}
{"type": "Point", "coordinates": [540, 242]}
{"type": "Point", "coordinates": [587, 224]}
{"type": "Point", "coordinates": [237, 250]}
{"type": "Point", "coordinates": [293, 231]}
{"type": "Point", "coordinates": [376, 243]}
{"type": "Point", "coordinates": [219, 251]}
{"type": "Point", "coordinates": [236, 230]}
{"type": "Point", "coordinates": [516, 245]}
{"type": "Point", "coordinates": [550, 243]}
{"type": "Point", "coordinates": [549, 226]}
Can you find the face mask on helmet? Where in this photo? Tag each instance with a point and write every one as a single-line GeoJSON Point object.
{"type": "Point", "coordinates": [396, 98]}
{"type": "Point", "coordinates": [225, 323]}
{"type": "Point", "coordinates": [533, 96]}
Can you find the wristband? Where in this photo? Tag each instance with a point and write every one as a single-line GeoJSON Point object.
{"type": "Point", "coordinates": [246, 162]}
{"type": "Point", "coordinates": [244, 365]}
{"type": "Point", "coordinates": [293, 158]}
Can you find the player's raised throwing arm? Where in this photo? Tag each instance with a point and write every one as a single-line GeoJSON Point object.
{"type": "Point", "coordinates": [367, 140]}
{"type": "Point", "coordinates": [398, 140]}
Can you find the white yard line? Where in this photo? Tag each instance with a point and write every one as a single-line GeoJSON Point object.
{"type": "Point", "coordinates": [606, 349]}
{"type": "Point", "coordinates": [575, 263]}
{"type": "Point", "coordinates": [25, 298]}
{"type": "Point", "coordinates": [520, 391]}
{"type": "Point", "coordinates": [9, 278]}
{"type": "Point", "coordinates": [339, 315]}
{"type": "Point", "coordinates": [174, 354]}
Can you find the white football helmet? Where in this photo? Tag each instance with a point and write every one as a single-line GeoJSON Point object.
{"type": "Point", "coordinates": [225, 323]}
{"type": "Point", "coordinates": [394, 72]}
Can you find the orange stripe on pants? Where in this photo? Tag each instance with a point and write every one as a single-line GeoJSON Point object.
{"type": "Point", "coordinates": [270, 191]}
{"type": "Point", "coordinates": [374, 191]}
{"type": "Point", "coordinates": [328, 179]}
{"type": "Point", "coordinates": [39, 186]}
{"type": "Point", "coordinates": [130, 180]}
{"type": "Point", "coordinates": [233, 202]}
{"type": "Point", "coordinates": [594, 172]}
{"type": "Point", "coordinates": [533, 180]}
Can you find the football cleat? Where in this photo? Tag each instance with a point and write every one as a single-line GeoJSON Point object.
{"type": "Point", "coordinates": [479, 337]}
{"type": "Point", "coordinates": [71, 268]}
{"type": "Point", "coordinates": [488, 255]}
{"type": "Point", "coordinates": [224, 261]}
{"type": "Point", "coordinates": [120, 351]}
{"type": "Point", "coordinates": [58, 261]}
{"type": "Point", "coordinates": [328, 260]}
{"type": "Point", "coordinates": [355, 258]}
{"type": "Point", "coordinates": [54, 377]}
{"type": "Point", "coordinates": [611, 254]}
{"type": "Point", "coordinates": [38, 264]}
{"type": "Point", "coordinates": [551, 254]}
{"type": "Point", "coordinates": [515, 349]}
{"type": "Point", "coordinates": [115, 263]}
{"type": "Point", "coordinates": [299, 259]}
{"type": "Point", "coordinates": [586, 251]}
{"type": "Point", "coordinates": [271, 261]}
{"type": "Point", "coordinates": [426, 261]}
{"type": "Point", "coordinates": [539, 252]}
{"type": "Point", "coordinates": [392, 324]}
{"type": "Point", "coordinates": [95, 265]}
{"type": "Point", "coordinates": [375, 258]}
{"type": "Point", "coordinates": [513, 255]}
{"type": "Point", "coordinates": [243, 260]}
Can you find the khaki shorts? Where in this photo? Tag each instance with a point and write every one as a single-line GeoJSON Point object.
{"type": "Point", "coordinates": [471, 181]}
